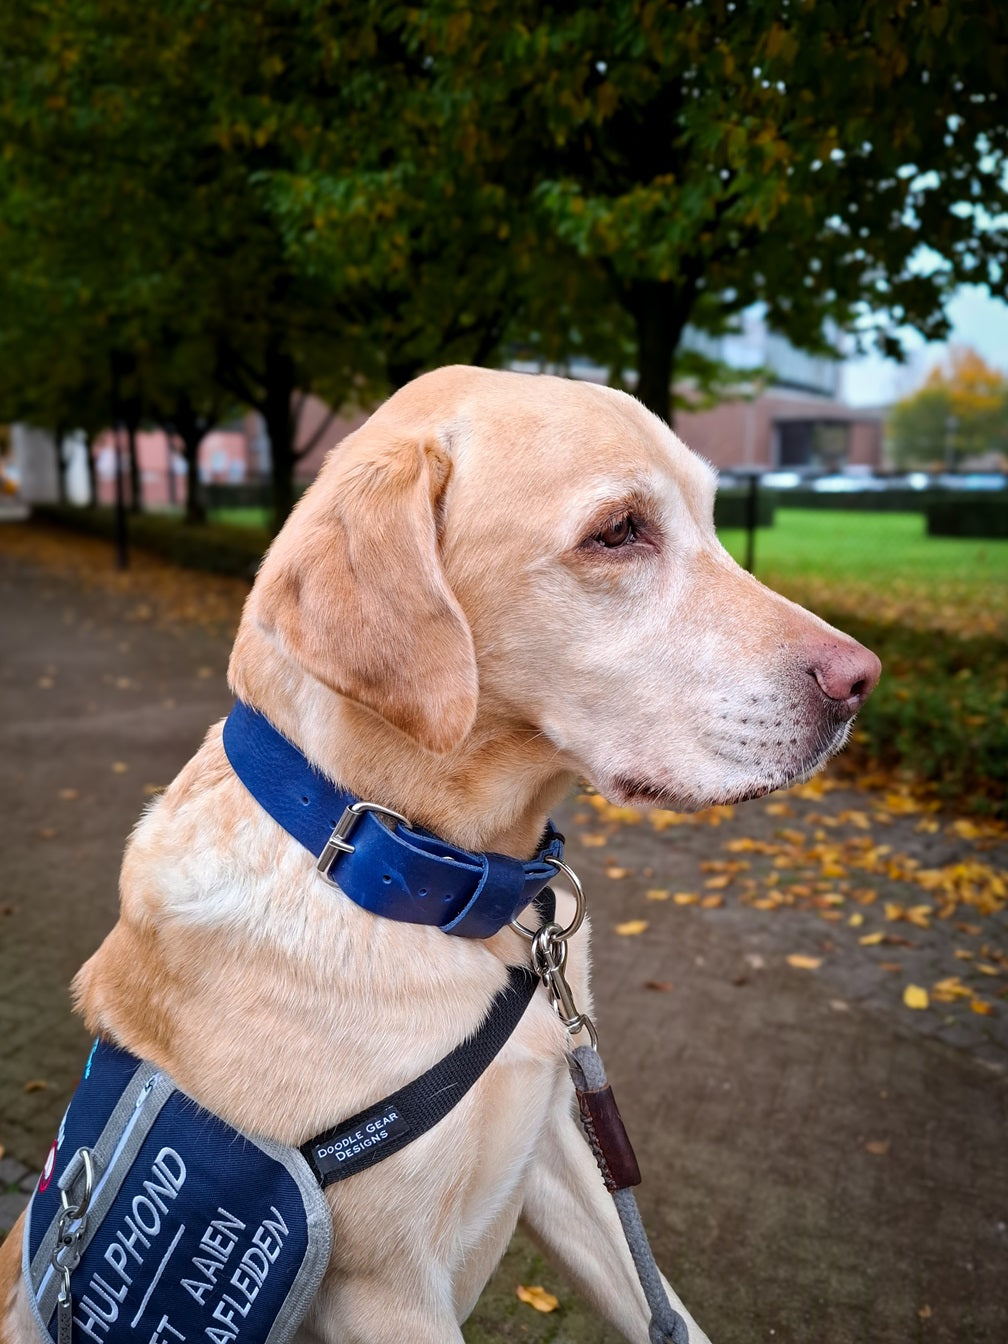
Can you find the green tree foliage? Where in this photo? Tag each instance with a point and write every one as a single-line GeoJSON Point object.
{"type": "Point", "coordinates": [959, 417]}
{"type": "Point", "coordinates": [640, 166]}
{"type": "Point", "coordinates": [258, 201]}
{"type": "Point", "coordinates": [135, 239]}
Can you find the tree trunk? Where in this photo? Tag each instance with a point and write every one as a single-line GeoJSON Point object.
{"type": "Point", "coordinates": [660, 310]}
{"type": "Point", "coordinates": [121, 525]}
{"type": "Point", "coordinates": [61, 465]}
{"type": "Point", "coordinates": [195, 507]}
{"type": "Point", "coordinates": [136, 488]}
{"type": "Point", "coordinates": [191, 429]}
{"type": "Point", "coordinates": [281, 429]}
{"type": "Point", "coordinates": [92, 475]}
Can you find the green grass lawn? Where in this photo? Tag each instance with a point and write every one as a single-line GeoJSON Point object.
{"type": "Point", "coordinates": [250, 517]}
{"type": "Point", "coordinates": [840, 546]}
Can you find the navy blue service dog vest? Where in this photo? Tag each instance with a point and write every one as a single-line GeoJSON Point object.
{"type": "Point", "coordinates": [170, 1252]}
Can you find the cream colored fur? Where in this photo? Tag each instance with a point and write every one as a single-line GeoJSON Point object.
{"type": "Point", "coordinates": [457, 621]}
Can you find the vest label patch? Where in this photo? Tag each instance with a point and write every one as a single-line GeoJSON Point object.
{"type": "Point", "coordinates": [342, 1146]}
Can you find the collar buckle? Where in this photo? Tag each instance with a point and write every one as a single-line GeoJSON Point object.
{"type": "Point", "coordinates": [337, 843]}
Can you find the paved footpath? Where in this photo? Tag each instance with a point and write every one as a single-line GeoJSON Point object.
{"type": "Point", "coordinates": [821, 1163]}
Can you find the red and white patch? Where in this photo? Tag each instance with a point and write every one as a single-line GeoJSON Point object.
{"type": "Point", "coordinates": [48, 1169]}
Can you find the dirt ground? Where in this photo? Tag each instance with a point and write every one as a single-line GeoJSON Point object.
{"type": "Point", "coordinates": [802, 1002]}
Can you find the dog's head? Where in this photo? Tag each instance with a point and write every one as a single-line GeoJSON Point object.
{"type": "Point", "coordinates": [535, 557]}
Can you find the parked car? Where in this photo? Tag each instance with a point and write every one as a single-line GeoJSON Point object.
{"type": "Point", "coordinates": [974, 480]}
{"type": "Point", "coordinates": [845, 483]}
{"type": "Point", "coordinates": [781, 480]}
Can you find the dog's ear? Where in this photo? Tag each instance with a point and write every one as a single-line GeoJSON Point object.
{"type": "Point", "coordinates": [354, 588]}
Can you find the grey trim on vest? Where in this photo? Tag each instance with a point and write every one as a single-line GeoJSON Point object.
{"type": "Point", "coordinates": [119, 1142]}
{"type": "Point", "coordinates": [320, 1240]}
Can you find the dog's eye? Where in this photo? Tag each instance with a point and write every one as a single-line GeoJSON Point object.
{"type": "Point", "coordinates": [620, 532]}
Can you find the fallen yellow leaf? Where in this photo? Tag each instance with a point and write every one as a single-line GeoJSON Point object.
{"type": "Point", "coordinates": [856, 920]}
{"type": "Point", "coordinates": [657, 894]}
{"type": "Point", "coordinates": [538, 1298]}
{"type": "Point", "coordinates": [870, 939]}
{"type": "Point", "coordinates": [685, 898]}
{"type": "Point", "coordinates": [915, 997]}
{"type": "Point", "coordinates": [632, 926]}
{"type": "Point", "coordinates": [966, 830]}
{"type": "Point", "coordinates": [803, 963]}
{"type": "Point", "coordinates": [593, 840]}
{"type": "Point", "coordinates": [616, 873]}
{"type": "Point", "coordinates": [949, 989]}
{"type": "Point", "coordinates": [920, 915]}
{"type": "Point", "coordinates": [979, 1006]}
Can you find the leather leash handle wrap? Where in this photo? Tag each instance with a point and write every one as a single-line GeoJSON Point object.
{"type": "Point", "coordinates": [607, 1137]}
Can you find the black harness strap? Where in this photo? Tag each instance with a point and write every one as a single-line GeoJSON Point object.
{"type": "Point", "coordinates": [382, 1129]}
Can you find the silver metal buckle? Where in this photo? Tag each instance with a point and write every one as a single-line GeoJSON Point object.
{"type": "Point", "coordinates": [337, 842]}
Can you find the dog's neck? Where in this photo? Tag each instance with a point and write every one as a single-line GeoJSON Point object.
{"type": "Point", "coordinates": [493, 792]}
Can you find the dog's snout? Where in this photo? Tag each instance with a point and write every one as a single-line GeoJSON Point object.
{"type": "Point", "coordinates": [846, 674]}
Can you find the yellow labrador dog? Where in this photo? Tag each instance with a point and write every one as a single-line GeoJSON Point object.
{"type": "Point", "coordinates": [499, 584]}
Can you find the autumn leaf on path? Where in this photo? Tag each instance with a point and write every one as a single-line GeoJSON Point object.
{"type": "Point", "coordinates": [537, 1297]}
{"type": "Point", "coordinates": [803, 963]}
{"type": "Point", "coordinates": [915, 997]}
{"type": "Point", "coordinates": [631, 927]}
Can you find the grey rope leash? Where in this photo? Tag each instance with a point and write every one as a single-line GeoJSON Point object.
{"type": "Point", "coordinates": [588, 1073]}
{"type": "Point", "coordinates": [600, 1116]}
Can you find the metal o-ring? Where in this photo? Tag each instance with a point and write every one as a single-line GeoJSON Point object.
{"type": "Point", "coordinates": [580, 906]}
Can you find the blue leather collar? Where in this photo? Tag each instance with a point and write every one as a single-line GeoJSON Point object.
{"type": "Point", "coordinates": [394, 870]}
